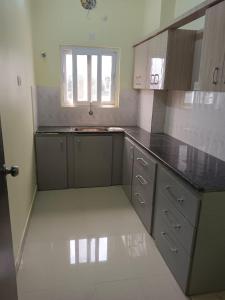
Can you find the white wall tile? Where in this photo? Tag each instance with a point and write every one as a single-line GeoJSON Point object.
{"type": "Point", "coordinates": [145, 109]}
{"type": "Point", "coordinates": [197, 118]}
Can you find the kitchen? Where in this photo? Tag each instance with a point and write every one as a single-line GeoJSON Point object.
{"type": "Point", "coordinates": [119, 140]}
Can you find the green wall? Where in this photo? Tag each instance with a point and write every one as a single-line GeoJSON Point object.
{"type": "Point", "coordinates": [16, 110]}
{"type": "Point", "coordinates": [64, 22]}
{"type": "Point", "coordinates": [182, 6]}
{"type": "Point", "coordinates": [151, 17]}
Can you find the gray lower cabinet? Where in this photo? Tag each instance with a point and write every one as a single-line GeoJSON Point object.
{"type": "Point", "coordinates": [175, 221]}
{"type": "Point", "coordinates": [143, 186]}
{"type": "Point", "coordinates": [128, 161]}
{"type": "Point", "coordinates": [139, 170]}
{"type": "Point", "coordinates": [93, 160]}
{"type": "Point", "coordinates": [189, 232]}
{"type": "Point", "coordinates": [51, 157]}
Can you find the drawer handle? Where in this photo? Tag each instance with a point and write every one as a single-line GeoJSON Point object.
{"type": "Point", "coordinates": [139, 198]}
{"type": "Point", "coordinates": [173, 224]}
{"type": "Point", "coordinates": [179, 200]}
{"type": "Point", "coordinates": [165, 236]}
{"type": "Point", "coordinates": [141, 180]}
{"type": "Point", "coordinates": [142, 161]}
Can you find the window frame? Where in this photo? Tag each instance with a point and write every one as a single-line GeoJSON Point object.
{"type": "Point", "coordinates": [89, 51]}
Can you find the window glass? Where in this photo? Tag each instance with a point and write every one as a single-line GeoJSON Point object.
{"type": "Point", "coordinates": [106, 78]}
{"type": "Point", "coordinates": [69, 79]}
{"type": "Point", "coordinates": [94, 78]}
{"type": "Point", "coordinates": [82, 78]}
{"type": "Point", "coordinates": [89, 75]}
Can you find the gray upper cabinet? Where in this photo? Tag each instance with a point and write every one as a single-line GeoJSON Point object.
{"type": "Point", "coordinates": [212, 67]}
{"type": "Point", "coordinates": [51, 157]}
{"type": "Point", "coordinates": [140, 65]}
{"type": "Point", "coordinates": [93, 160]}
{"type": "Point", "coordinates": [169, 60]}
{"type": "Point", "coordinates": [128, 161]}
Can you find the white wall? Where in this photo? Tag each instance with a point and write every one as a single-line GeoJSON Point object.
{"type": "Point", "coordinates": [16, 110]}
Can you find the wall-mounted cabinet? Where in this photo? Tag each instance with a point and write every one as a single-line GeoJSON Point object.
{"type": "Point", "coordinates": [140, 65]}
{"type": "Point", "coordinates": [212, 68]}
{"type": "Point", "coordinates": [168, 63]}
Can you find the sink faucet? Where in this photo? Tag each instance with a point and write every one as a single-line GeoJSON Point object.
{"type": "Point", "coordinates": [91, 111]}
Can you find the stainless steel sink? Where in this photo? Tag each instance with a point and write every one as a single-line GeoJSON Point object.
{"type": "Point", "coordinates": [97, 129]}
{"type": "Point", "coordinates": [90, 129]}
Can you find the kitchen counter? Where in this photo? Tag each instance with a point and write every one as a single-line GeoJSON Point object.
{"type": "Point", "coordinates": [202, 171]}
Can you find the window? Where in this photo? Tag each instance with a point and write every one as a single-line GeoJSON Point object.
{"type": "Point", "coordinates": [90, 75]}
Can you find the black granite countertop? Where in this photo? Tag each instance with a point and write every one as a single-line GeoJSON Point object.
{"type": "Point", "coordinates": [202, 171]}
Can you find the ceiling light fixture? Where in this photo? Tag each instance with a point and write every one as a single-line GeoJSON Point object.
{"type": "Point", "coordinates": [88, 4]}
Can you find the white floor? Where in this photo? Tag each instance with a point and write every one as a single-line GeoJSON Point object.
{"type": "Point", "coordinates": [88, 244]}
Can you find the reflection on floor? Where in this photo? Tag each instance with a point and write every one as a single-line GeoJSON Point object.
{"type": "Point", "coordinates": [88, 244]}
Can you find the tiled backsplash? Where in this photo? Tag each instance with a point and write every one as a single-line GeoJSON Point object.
{"type": "Point", "coordinates": [145, 108]}
{"type": "Point", "coordinates": [197, 118]}
{"type": "Point", "coordinates": [51, 113]}
{"type": "Point", "coordinates": [151, 110]}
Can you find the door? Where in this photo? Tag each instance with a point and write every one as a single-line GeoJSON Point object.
{"type": "Point", "coordinates": [140, 65]}
{"type": "Point", "coordinates": [8, 288]}
{"type": "Point", "coordinates": [213, 50]}
{"type": "Point", "coordinates": [51, 158]}
{"type": "Point", "coordinates": [93, 160]}
{"type": "Point", "coordinates": [157, 53]}
{"type": "Point", "coordinates": [128, 161]}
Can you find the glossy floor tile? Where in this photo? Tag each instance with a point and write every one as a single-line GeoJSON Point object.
{"type": "Point", "coordinates": [88, 244]}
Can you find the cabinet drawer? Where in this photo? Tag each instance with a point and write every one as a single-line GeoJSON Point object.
{"type": "Point", "coordinates": [179, 194]}
{"type": "Point", "coordinates": [142, 183]}
{"type": "Point", "coordinates": [173, 253]}
{"type": "Point", "coordinates": [175, 221]}
{"type": "Point", "coordinates": [142, 199]}
{"type": "Point", "coordinates": [145, 163]}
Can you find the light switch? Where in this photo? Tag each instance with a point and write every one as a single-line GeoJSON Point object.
{"type": "Point", "coordinates": [19, 80]}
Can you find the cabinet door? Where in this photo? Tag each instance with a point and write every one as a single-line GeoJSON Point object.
{"type": "Point", "coordinates": [140, 63]}
{"type": "Point", "coordinates": [51, 158]}
{"type": "Point", "coordinates": [213, 49]}
{"type": "Point", "coordinates": [93, 160]}
{"type": "Point", "coordinates": [128, 161]}
{"type": "Point", "coordinates": [157, 53]}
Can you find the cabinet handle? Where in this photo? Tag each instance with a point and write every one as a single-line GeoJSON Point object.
{"type": "Point", "coordinates": [215, 75]}
{"type": "Point", "coordinates": [141, 180]}
{"type": "Point", "coordinates": [173, 224]}
{"type": "Point", "coordinates": [143, 162]}
{"type": "Point", "coordinates": [139, 198]}
{"type": "Point", "coordinates": [179, 200]}
{"type": "Point", "coordinates": [165, 236]}
{"type": "Point", "coordinates": [152, 79]}
{"type": "Point", "coordinates": [156, 81]}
